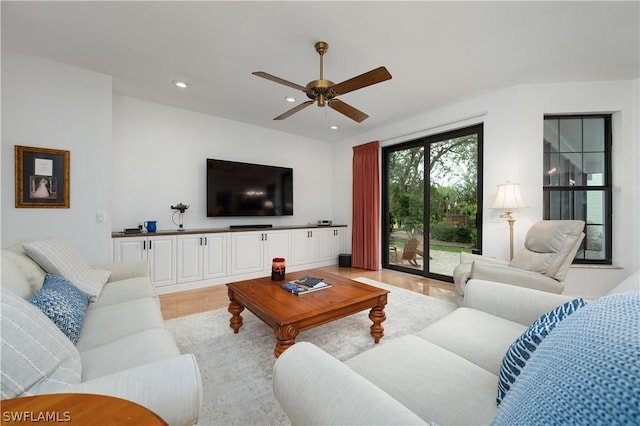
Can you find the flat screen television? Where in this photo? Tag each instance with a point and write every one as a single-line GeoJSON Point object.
{"type": "Point", "coordinates": [244, 189]}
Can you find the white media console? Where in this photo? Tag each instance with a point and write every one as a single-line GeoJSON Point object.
{"type": "Point", "coordinates": [184, 260]}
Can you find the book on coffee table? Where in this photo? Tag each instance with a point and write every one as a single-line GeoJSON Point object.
{"type": "Point", "coordinates": [305, 285]}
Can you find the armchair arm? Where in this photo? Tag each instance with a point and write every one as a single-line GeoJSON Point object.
{"type": "Point", "coordinates": [470, 257]}
{"type": "Point", "coordinates": [514, 276]}
{"type": "Point", "coordinates": [518, 304]}
{"type": "Point", "coordinates": [124, 270]}
{"type": "Point", "coordinates": [171, 388]}
{"type": "Point", "coordinates": [314, 388]}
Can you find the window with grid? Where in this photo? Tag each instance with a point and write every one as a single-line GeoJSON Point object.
{"type": "Point", "coordinates": [577, 179]}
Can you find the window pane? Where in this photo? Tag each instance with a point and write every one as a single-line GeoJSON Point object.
{"type": "Point", "coordinates": [561, 205]}
{"type": "Point", "coordinates": [551, 135]}
{"type": "Point", "coordinates": [593, 138]}
{"type": "Point", "coordinates": [554, 205]}
{"type": "Point", "coordinates": [571, 135]}
{"type": "Point", "coordinates": [594, 169]}
{"type": "Point", "coordinates": [595, 207]}
{"type": "Point", "coordinates": [552, 175]}
{"type": "Point", "coordinates": [570, 169]}
{"type": "Point", "coordinates": [595, 242]}
{"type": "Point", "coordinates": [580, 205]}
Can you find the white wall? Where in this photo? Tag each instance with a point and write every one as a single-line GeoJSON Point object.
{"type": "Point", "coordinates": [50, 105]}
{"type": "Point", "coordinates": [513, 132]}
{"type": "Point", "coordinates": [161, 154]}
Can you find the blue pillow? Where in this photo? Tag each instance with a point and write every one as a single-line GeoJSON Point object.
{"type": "Point", "coordinates": [63, 303]}
{"type": "Point", "coordinates": [520, 351]}
{"type": "Point", "coordinates": [586, 372]}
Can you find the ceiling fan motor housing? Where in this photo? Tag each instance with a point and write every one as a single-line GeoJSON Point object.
{"type": "Point", "coordinates": [319, 90]}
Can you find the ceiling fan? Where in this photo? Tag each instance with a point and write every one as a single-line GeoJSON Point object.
{"type": "Point", "coordinates": [324, 92]}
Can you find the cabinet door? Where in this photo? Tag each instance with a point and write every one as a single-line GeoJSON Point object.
{"type": "Point", "coordinates": [247, 253]}
{"type": "Point", "coordinates": [130, 249]}
{"type": "Point", "coordinates": [317, 245]}
{"type": "Point", "coordinates": [331, 244]}
{"type": "Point", "coordinates": [189, 261]}
{"type": "Point", "coordinates": [300, 244]}
{"type": "Point", "coordinates": [215, 255]}
{"type": "Point", "coordinates": [162, 254]}
{"type": "Point", "coordinates": [277, 244]}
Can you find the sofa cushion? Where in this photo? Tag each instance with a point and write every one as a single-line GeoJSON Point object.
{"type": "Point", "coordinates": [586, 371]}
{"type": "Point", "coordinates": [63, 303]}
{"type": "Point", "coordinates": [36, 356]}
{"type": "Point", "coordinates": [439, 386]}
{"type": "Point", "coordinates": [13, 279]}
{"type": "Point", "coordinates": [106, 324]}
{"type": "Point", "coordinates": [115, 292]}
{"type": "Point", "coordinates": [520, 351]}
{"type": "Point", "coordinates": [477, 336]}
{"type": "Point", "coordinates": [29, 269]}
{"type": "Point", "coordinates": [130, 351]}
{"type": "Point", "coordinates": [58, 257]}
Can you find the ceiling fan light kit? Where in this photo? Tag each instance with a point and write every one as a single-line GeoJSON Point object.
{"type": "Point", "coordinates": [324, 92]}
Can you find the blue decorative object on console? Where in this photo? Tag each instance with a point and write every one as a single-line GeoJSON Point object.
{"type": "Point", "coordinates": [520, 351]}
{"type": "Point", "coordinates": [63, 303]}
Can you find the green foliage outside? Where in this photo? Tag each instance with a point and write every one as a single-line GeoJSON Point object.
{"type": "Point", "coordinates": [452, 172]}
{"type": "Point", "coordinates": [457, 234]}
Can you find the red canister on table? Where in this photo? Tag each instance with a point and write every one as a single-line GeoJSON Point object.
{"type": "Point", "coordinates": [277, 269]}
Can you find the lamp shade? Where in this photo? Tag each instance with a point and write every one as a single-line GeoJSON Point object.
{"type": "Point", "coordinates": [508, 197]}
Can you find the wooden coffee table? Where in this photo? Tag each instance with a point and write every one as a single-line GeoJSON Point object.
{"type": "Point", "coordinates": [288, 314]}
{"type": "Point", "coordinates": [77, 409]}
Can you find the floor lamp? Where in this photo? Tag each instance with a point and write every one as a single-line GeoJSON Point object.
{"type": "Point", "coordinates": [509, 198]}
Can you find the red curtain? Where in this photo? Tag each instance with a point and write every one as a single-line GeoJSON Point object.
{"type": "Point", "coordinates": [365, 236]}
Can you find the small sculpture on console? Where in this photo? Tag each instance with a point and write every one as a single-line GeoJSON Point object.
{"type": "Point", "coordinates": [179, 210]}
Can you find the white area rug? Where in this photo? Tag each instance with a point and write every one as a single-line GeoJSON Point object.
{"type": "Point", "coordinates": [236, 368]}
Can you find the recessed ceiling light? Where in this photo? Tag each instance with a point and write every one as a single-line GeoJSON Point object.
{"type": "Point", "coordinates": [290, 99]}
{"type": "Point", "coordinates": [335, 127]}
{"type": "Point", "coordinates": [181, 84]}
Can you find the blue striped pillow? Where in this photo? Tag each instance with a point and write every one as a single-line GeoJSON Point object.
{"type": "Point", "coordinates": [63, 303]}
{"type": "Point", "coordinates": [520, 351]}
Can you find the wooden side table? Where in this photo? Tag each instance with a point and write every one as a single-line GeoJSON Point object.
{"type": "Point", "coordinates": [76, 409]}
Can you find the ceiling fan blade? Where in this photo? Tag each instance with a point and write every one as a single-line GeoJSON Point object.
{"type": "Point", "coordinates": [278, 80]}
{"type": "Point", "coordinates": [377, 75]}
{"type": "Point", "coordinates": [348, 110]}
{"type": "Point", "coordinates": [293, 110]}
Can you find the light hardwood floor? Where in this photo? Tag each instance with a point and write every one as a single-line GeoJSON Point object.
{"type": "Point", "coordinates": [205, 299]}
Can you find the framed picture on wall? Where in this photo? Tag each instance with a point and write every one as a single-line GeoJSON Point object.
{"type": "Point", "coordinates": [42, 177]}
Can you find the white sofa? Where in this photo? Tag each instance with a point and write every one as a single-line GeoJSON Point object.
{"type": "Point", "coordinates": [123, 348]}
{"type": "Point", "coordinates": [448, 373]}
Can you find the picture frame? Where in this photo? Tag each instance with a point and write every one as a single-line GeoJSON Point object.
{"type": "Point", "coordinates": [41, 177]}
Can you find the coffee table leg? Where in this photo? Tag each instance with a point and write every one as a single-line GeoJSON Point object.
{"type": "Point", "coordinates": [234, 309]}
{"type": "Point", "coordinates": [286, 335]}
{"type": "Point", "coordinates": [377, 316]}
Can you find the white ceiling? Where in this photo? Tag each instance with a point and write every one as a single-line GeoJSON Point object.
{"type": "Point", "coordinates": [439, 53]}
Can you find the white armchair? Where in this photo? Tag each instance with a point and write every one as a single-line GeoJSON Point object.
{"type": "Point", "coordinates": [543, 263]}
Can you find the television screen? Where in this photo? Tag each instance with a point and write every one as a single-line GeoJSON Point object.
{"type": "Point", "coordinates": [243, 189]}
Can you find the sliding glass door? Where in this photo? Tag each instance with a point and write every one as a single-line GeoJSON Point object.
{"type": "Point", "coordinates": [431, 202]}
